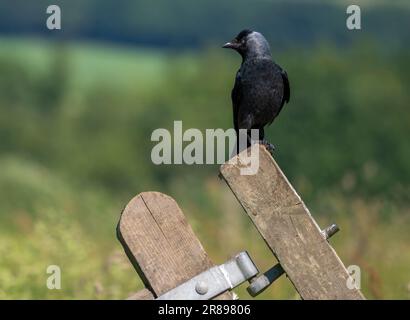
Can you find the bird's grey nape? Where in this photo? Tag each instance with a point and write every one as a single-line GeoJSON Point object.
{"type": "Point", "coordinates": [258, 46]}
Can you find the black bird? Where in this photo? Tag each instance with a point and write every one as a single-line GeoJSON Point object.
{"type": "Point", "coordinates": [261, 86]}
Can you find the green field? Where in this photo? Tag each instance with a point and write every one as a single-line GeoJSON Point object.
{"type": "Point", "coordinates": [75, 127]}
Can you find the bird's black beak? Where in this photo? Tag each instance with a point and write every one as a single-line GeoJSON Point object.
{"type": "Point", "coordinates": [230, 45]}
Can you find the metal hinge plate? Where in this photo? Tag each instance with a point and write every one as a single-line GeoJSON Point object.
{"type": "Point", "coordinates": [215, 280]}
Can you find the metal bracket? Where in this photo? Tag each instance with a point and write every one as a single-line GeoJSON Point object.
{"type": "Point", "coordinates": [260, 283]}
{"type": "Point", "coordinates": [215, 280]}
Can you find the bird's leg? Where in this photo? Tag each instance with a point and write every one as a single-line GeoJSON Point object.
{"type": "Point", "coordinates": [249, 138]}
{"type": "Point", "coordinates": [270, 147]}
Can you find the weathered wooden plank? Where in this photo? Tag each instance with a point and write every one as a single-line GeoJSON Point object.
{"type": "Point", "coordinates": [143, 294]}
{"type": "Point", "coordinates": [289, 230]}
{"type": "Point", "coordinates": [160, 243]}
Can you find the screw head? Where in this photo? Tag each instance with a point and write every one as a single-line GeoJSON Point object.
{"type": "Point", "coordinates": [201, 288]}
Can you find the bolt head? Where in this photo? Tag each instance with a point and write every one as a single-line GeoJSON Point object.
{"type": "Point", "coordinates": [201, 288]}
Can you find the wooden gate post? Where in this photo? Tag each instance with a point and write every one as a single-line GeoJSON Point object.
{"type": "Point", "coordinates": [161, 244]}
{"type": "Point", "coordinates": [289, 230]}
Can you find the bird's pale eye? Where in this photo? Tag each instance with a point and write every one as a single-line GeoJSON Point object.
{"type": "Point", "coordinates": [243, 41]}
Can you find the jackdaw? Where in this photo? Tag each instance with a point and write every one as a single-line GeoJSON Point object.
{"type": "Point", "coordinates": [261, 86]}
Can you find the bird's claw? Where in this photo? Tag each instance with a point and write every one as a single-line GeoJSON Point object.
{"type": "Point", "coordinates": [270, 147]}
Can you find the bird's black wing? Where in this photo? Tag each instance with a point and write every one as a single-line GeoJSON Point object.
{"type": "Point", "coordinates": [286, 87]}
{"type": "Point", "coordinates": [236, 95]}
{"type": "Point", "coordinates": [286, 90]}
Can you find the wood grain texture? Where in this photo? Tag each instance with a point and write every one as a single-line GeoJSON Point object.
{"type": "Point", "coordinates": [143, 294]}
{"type": "Point", "coordinates": [160, 243]}
{"type": "Point", "coordinates": [289, 230]}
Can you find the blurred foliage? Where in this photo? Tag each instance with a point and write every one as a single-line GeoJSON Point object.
{"type": "Point", "coordinates": [182, 23]}
{"type": "Point", "coordinates": [75, 128]}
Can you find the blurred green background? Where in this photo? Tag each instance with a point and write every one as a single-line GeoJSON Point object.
{"type": "Point", "coordinates": [78, 106]}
